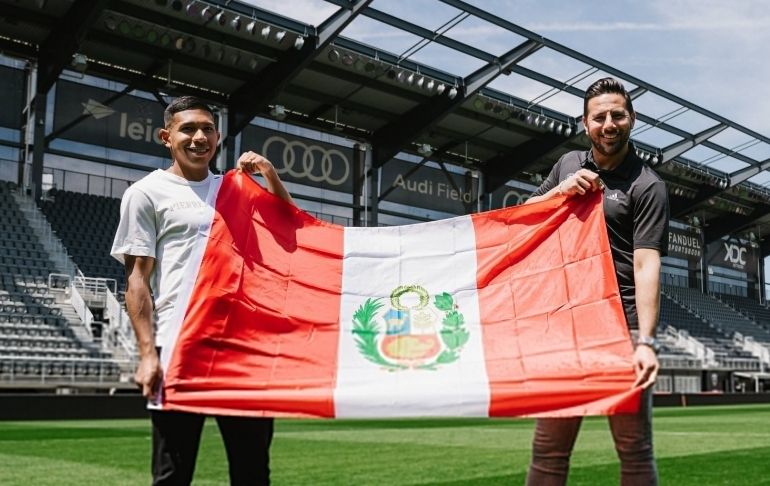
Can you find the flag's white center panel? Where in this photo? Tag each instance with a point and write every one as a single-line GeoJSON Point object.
{"type": "Point", "coordinates": [410, 337]}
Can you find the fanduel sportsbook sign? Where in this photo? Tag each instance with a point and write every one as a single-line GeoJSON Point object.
{"type": "Point", "coordinates": [129, 123]}
{"type": "Point", "coordinates": [685, 243]}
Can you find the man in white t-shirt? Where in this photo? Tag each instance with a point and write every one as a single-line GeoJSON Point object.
{"type": "Point", "coordinates": [160, 216]}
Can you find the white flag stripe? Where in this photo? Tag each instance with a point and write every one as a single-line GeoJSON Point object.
{"type": "Point", "coordinates": [440, 257]}
{"type": "Point", "coordinates": [191, 274]}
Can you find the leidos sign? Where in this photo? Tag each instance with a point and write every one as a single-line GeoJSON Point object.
{"type": "Point", "coordinates": [129, 123]}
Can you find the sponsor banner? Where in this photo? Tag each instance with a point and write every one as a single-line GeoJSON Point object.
{"type": "Point", "coordinates": [509, 196]}
{"type": "Point", "coordinates": [12, 87]}
{"type": "Point", "coordinates": [733, 254]}
{"type": "Point", "coordinates": [302, 160]}
{"type": "Point", "coordinates": [129, 123]}
{"type": "Point", "coordinates": [685, 243]}
{"type": "Point", "coordinates": [428, 188]}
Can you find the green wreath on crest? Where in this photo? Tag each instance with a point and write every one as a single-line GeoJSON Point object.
{"type": "Point", "coordinates": [453, 333]}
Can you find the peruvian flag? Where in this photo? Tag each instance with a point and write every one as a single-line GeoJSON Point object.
{"type": "Point", "coordinates": [503, 313]}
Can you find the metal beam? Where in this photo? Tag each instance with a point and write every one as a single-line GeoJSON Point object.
{"type": "Point", "coordinates": [368, 81]}
{"type": "Point", "coordinates": [639, 116]}
{"type": "Point", "coordinates": [747, 173]}
{"type": "Point", "coordinates": [676, 149]}
{"type": "Point", "coordinates": [637, 92]}
{"type": "Point", "coordinates": [682, 206]}
{"type": "Point", "coordinates": [426, 34]}
{"type": "Point", "coordinates": [391, 138]}
{"type": "Point", "coordinates": [330, 100]}
{"type": "Point", "coordinates": [733, 223]}
{"type": "Point", "coordinates": [500, 169]}
{"type": "Point", "coordinates": [475, 81]}
{"type": "Point", "coordinates": [150, 83]}
{"type": "Point", "coordinates": [764, 251]}
{"type": "Point", "coordinates": [156, 65]}
{"type": "Point", "coordinates": [192, 61]}
{"type": "Point", "coordinates": [57, 49]}
{"type": "Point", "coordinates": [495, 20]}
{"type": "Point", "coordinates": [251, 97]}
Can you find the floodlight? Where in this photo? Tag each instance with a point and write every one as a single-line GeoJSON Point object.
{"type": "Point", "coordinates": [278, 112]}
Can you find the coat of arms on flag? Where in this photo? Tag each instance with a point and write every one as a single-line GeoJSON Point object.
{"type": "Point", "coordinates": [415, 332]}
{"type": "Point", "coordinates": [509, 312]}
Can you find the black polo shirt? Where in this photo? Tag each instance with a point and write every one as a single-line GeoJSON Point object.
{"type": "Point", "coordinates": [635, 210]}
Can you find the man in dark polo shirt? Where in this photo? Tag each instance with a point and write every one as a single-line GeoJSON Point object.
{"type": "Point", "coordinates": [636, 213]}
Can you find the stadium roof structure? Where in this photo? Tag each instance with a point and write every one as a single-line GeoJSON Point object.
{"type": "Point", "coordinates": [254, 62]}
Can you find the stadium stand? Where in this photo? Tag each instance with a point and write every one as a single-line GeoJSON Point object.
{"type": "Point", "coordinates": [720, 315]}
{"type": "Point", "coordinates": [701, 316]}
{"type": "Point", "coordinates": [751, 309]}
{"type": "Point", "coordinates": [36, 342]}
{"type": "Point", "coordinates": [86, 225]}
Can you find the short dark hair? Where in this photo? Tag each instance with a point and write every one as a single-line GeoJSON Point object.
{"type": "Point", "coordinates": [184, 103]}
{"type": "Point", "coordinates": [606, 86]}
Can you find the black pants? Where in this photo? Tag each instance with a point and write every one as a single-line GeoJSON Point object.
{"type": "Point", "coordinates": [175, 440]}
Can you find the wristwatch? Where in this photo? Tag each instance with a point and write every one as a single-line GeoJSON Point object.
{"type": "Point", "coordinates": [649, 341]}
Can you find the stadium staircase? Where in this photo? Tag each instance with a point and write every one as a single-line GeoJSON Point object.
{"type": "Point", "coordinates": [43, 340]}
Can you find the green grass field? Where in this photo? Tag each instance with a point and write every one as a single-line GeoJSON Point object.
{"type": "Point", "coordinates": [701, 446]}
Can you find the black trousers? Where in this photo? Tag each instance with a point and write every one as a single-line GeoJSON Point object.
{"type": "Point", "coordinates": [175, 440]}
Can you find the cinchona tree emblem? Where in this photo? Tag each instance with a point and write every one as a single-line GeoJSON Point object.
{"type": "Point", "coordinates": [415, 332]}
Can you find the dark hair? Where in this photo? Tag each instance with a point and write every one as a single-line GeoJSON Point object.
{"type": "Point", "coordinates": [184, 103]}
{"type": "Point", "coordinates": [606, 86]}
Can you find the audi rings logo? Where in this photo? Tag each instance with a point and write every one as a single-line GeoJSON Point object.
{"type": "Point", "coordinates": [312, 162]}
{"type": "Point", "coordinates": [513, 198]}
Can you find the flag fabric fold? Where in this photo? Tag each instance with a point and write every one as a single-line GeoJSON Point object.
{"type": "Point", "coordinates": [513, 312]}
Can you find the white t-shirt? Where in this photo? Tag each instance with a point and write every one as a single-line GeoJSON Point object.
{"type": "Point", "coordinates": [160, 216]}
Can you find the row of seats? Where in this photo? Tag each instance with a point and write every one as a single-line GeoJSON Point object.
{"type": "Point", "coordinates": [10, 243]}
{"type": "Point", "coordinates": [21, 330]}
{"type": "Point", "coordinates": [30, 261]}
{"type": "Point", "coordinates": [41, 272]}
{"type": "Point", "coordinates": [17, 253]}
{"type": "Point", "coordinates": [755, 311]}
{"type": "Point", "coordinates": [718, 314]}
{"type": "Point", "coordinates": [37, 342]}
{"type": "Point", "coordinates": [58, 368]}
{"type": "Point", "coordinates": [29, 319]}
{"type": "Point", "coordinates": [34, 352]}
{"type": "Point", "coordinates": [34, 309]}
{"type": "Point", "coordinates": [86, 225]}
{"type": "Point", "coordinates": [24, 298]}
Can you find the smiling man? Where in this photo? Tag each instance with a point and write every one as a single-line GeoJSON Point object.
{"type": "Point", "coordinates": [636, 214]}
{"type": "Point", "coordinates": [160, 216]}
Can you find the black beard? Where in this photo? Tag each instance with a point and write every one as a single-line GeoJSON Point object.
{"type": "Point", "coordinates": [615, 148]}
